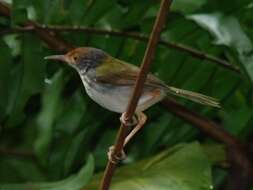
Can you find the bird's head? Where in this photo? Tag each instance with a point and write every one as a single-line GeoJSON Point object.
{"type": "Point", "coordinates": [82, 59]}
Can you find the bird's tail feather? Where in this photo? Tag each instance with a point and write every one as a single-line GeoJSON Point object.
{"type": "Point", "coordinates": [195, 97]}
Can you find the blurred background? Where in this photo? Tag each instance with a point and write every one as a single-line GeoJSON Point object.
{"type": "Point", "coordinates": [53, 136]}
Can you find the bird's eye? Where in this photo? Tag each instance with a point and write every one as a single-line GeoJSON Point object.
{"type": "Point", "coordinates": [75, 58]}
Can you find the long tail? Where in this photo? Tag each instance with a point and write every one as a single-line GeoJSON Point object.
{"type": "Point", "coordinates": [195, 97]}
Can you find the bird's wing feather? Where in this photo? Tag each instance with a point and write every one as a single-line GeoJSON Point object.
{"type": "Point", "coordinates": [117, 72]}
{"type": "Point", "coordinates": [194, 96]}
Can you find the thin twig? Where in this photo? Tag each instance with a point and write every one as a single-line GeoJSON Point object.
{"type": "Point", "coordinates": [179, 110]}
{"type": "Point", "coordinates": [17, 153]}
{"type": "Point", "coordinates": [141, 37]}
{"type": "Point", "coordinates": [148, 57]}
{"type": "Point", "coordinates": [5, 9]}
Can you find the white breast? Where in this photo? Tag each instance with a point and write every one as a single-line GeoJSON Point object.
{"type": "Point", "coordinates": [111, 99]}
{"type": "Point", "coordinates": [114, 98]}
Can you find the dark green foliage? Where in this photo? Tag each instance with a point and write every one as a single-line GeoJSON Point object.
{"type": "Point", "coordinates": [49, 126]}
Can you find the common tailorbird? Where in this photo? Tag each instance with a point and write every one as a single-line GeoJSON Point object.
{"type": "Point", "coordinates": [110, 81]}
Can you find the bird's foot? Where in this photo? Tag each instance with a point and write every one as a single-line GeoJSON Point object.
{"type": "Point", "coordinates": [127, 122]}
{"type": "Point", "coordinates": [115, 159]}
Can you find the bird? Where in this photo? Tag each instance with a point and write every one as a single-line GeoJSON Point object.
{"type": "Point", "coordinates": [110, 81]}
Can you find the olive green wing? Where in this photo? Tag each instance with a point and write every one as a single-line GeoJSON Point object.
{"type": "Point", "coordinates": [117, 72]}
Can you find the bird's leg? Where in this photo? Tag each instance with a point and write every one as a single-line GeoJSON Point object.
{"type": "Point", "coordinates": [117, 158]}
{"type": "Point", "coordinates": [141, 118]}
{"type": "Point", "coordinates": [138, 123]}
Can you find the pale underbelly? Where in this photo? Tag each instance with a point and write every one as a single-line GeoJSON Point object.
{"type": "Point", "coordinates": [116, 98]}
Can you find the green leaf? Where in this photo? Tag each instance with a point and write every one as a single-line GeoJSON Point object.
{"type": "Point", "coordinates": [73, 149]}
{"type": "Point", "coordinates": [5, 75]}
{"type": "Point", "coordinates": [41, 9]}
{"type": "Point", "coordinates": [19, 12]}
{"type": "Point", "coordinates": [187, 6]}
{"type": "Point", "coordinates": [216, 153]}
{"type": "Point", "coordinates": [228, 31]}
{"type": "Point", "coordinates": [50, 105]}
{"type": "Point", "coordinates": [29, 77]}
{"type": "Point", "coordinates": [234, 6]}
{"type": "Point", "coordinates": [237, 119]}
{"type": "Point", "coordinates": [75, 12]}
{"type": "Point", "coordinates": [74, 182]}
{"type": "Point", "coordinates": [19, 16]}
{"type": "Point", "coordinates": [56, 12]}
{"type": "Point", "coordinates": [184, 167]}
{"type": "Point", "coordinates": [96, 10]}
{"type": "Point", "coordinates": [135, 13]}
{"type": "Point", "coordinates": [12, 168]}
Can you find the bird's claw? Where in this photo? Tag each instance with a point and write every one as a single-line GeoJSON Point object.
{"type": "Point", "coordinates": [115, 159]}
{"type": "Point", "coordinates": [123, 119]}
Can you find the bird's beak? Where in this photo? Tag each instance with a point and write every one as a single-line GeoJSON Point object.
{"type": "Point", "coordinates": [57, 58]}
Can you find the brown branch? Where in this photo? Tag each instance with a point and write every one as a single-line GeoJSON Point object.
{"type": "Point", "coordinates": [210, 128]}
{"type": "Point", "coordinates": [17, 153]}
{"type": "Point", "coordinates": [148, 57]}
{"type": "Point", "coordinates": [50, 38]}
{"type": "Point", "coordinates": [193, 52]}
{"type": "Point", "coordinates": [184, 48]}
{"type": "Point", "coordinates": [5, 9]}
{"type": "Point", "coordinates": [216, 132]}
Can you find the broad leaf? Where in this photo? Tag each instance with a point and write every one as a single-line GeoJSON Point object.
{"type": "Point", "coordinates": [74, 182]}
{"type": "Point", "coordinates": [50, 106]}
{"type": "Point", "coordinates": [228, 31]}
{"type": "Point", "coordinates": [29, 77]}
{"type": "Point", "coordinates": [184, 167]}
{"type": "Point", "coordinates": [187, 6]}
{"type": "Point", "coordinates": [5, 74]}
